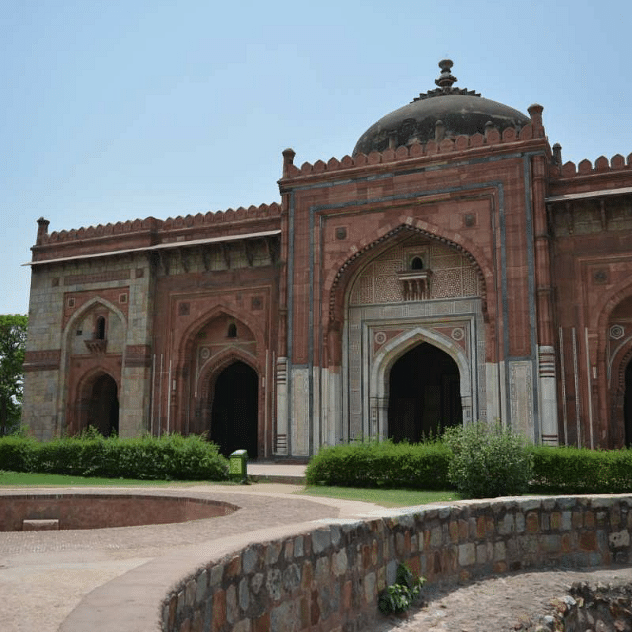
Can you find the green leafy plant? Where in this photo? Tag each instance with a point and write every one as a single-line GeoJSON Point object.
{"type": "Point", "coordinates": [403, 593]}
{"type": "Point", "coordinates": [488, 460]}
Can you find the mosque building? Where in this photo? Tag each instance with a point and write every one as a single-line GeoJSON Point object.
{"type": "Point", "coordinates": [451, 269]}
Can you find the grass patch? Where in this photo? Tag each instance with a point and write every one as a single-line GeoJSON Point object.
{"type": "Point", "coordinates": [381, 496]}
{"type": "Point", "coordinates": [32, 479]}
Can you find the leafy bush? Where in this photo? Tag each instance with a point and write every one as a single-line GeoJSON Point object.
{"type": "Point", "coordinates": [16, 453]}
{"type": "Point", "coordinates": [381, 464]}
{"type": "Point", "coordinates": [402, 594]}
{"type": "Point", "coordinates": [567, 470]}
{"type": "Point", "coordinates": [166, 457]}
{"type": "Point", "coordinates": [488, 460]}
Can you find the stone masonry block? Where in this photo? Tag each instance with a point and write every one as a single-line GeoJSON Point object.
{"type": "Point", "coordinates": [249, 559]}
{"type": "Point", "coordinates": [619, 539]}
{"type": "Point", "coordinates": [273, 583]}
{"type": "Point", "coordinates": [467, 554]}
{"type": "Point", "coordinates": [322, 574]}
{"type": "Point", "coordinates": [189, 592]}
{"type": "Point", "coordinates": [340, 564]}
{"type": "Point", "coordinates": [292, 578]}
{"type": "Point", "coordinates": [232, 610]}
{"type": "Point", "coordinates": [321, 539]}
{"type": "Point", "coordinates": [244, 594]}
{"type": "Point", "coordinates": [273, 550]}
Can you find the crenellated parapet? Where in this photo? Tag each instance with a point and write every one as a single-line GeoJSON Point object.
{"type": "Point", "coordinates": [433, 148]}
{"type": "Point", "coordinates": [158, 227]}
{"type": "Point", "coordinates": [601, 165]}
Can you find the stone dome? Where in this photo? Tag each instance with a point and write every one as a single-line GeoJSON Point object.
{"type": "Point", "coordinates": [444, 112]}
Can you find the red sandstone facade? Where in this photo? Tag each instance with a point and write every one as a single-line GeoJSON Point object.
{"type": "Point", "coordinates": [443, 278]}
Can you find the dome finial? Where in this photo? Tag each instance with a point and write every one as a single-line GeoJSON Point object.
{"type": "Point", "coordinates": [446, 79]}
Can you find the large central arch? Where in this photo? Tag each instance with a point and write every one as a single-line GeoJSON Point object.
{"type": "Point", "coordinates": [391, 307]}
{"type": "Point", "coordinates": [424, 394]}
{"type": "Point", "coordinates": [398, 347]}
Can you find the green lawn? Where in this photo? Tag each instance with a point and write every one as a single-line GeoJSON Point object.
{"type": "Point", "coordinates": [383, 497]}
{"type": "Point", "coordinates": [27, 479]}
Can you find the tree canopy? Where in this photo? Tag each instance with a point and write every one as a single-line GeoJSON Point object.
{"type": "Point", "coordinates": [12, 343]}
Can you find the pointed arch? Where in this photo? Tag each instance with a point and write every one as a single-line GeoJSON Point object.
{"type": "Point", "coordinates": [96, 401]}
{"type": "Point", "coordinates": [215, 365]}
{"type": "Point", "coordinates": [89, 306]}
{"type": "Point", "coordinates": [188, 338]}
{"type": "Point", "coordinates": [398, 346]}
{"type": "Point", "coordinates": [391, 351]}
{"type": "Point", "coordinates": [70, 416]}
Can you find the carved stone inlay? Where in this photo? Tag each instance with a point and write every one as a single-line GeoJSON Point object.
{"type": "Point", "coordinates": [387, 279]}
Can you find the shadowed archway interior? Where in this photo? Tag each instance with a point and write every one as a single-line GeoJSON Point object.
{"type": "Point", "coordinates": [424, 394]}
{"type": "Point", "coordinates": [234, 410]}
{"type": "Point", "coordinates": [103, 407]}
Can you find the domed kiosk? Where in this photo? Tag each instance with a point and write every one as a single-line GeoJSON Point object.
{"type": "Point", "coordinates": [444, 112]}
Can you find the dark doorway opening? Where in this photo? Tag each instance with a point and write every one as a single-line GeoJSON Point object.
{"type": "Point", "coordinates": [627, 405]}
{"type": "Point", "coordinates": [235, 410]}
{"type": "Point", "coordinates": [103, 408]}
{"type": "Point", "coordinates": [424, 394]}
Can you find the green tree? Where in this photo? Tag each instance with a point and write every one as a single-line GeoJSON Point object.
{"type": "Point", "coordinates": [12, 343]}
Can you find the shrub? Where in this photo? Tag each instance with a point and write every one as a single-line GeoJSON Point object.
{"type": "Point", "coordinates": [166, 457]}
{"type": "Point", "coordinates": [488, 460]}
{"type": "Point", "coordinates": [381, 464]}
{"type": "Point", "coordinates": [567, 470]}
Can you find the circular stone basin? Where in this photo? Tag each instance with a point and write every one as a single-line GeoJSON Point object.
{"type": "Point", "coordinates": [50, 511]}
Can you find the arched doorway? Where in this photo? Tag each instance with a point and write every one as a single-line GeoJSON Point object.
{"type": "Point", "coordinates": [234, 412]}
{"type": "Point", "coordinates": [103, 406]}
{"type": "Point", "coordinates": [424, 394]}
{"type": "Point", "coordinates": [627, 405]}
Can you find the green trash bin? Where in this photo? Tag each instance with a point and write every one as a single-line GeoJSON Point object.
{"type": "Point", "coordinates": [238, 465]}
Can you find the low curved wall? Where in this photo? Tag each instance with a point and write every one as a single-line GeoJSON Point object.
{"type": "Point", "coordinates": [100, 510]}
{"type": "Point", "coordinates": [329, 578]}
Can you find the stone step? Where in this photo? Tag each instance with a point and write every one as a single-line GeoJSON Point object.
{"type": "Point", "coordinates": [51, 524]}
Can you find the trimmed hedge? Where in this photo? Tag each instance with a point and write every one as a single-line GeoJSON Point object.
{"type": "Point", "coordinates": [154, 458]}
{"type": "Point", "coordinates": [381, 464]}
{"type": "Point", "coordinates": [566, 470]}
{"type": "Point", "coordinates": [425, 466]}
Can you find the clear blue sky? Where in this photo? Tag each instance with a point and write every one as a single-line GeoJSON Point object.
{"type": "Point", "coordinates": [112, 110]}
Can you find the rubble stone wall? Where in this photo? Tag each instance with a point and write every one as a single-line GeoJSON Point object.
{"type": "Point", "coordinates": [329, 578]}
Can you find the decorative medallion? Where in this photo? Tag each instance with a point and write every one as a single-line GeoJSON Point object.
{"type": "Point", "coordinates": [600, 276]}
{"type": "Point", "coordinates": [616, 332]}
{"type": "Point", "coordinates": [458, 333]}
{"type": "Point", "coordinates": [380, 338]}
{"type": "Point", "coordinates": [205, 353]}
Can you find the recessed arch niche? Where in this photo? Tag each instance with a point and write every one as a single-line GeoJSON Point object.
{"type": "Point", "coordinates": [384, 322]}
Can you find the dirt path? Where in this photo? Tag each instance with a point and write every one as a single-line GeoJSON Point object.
{"type": "Point", "coordinates": [500, 604]}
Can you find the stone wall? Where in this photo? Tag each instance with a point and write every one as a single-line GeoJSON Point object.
{"type": "Point", "coordinates": [329, 578]}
